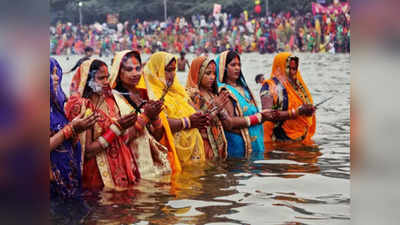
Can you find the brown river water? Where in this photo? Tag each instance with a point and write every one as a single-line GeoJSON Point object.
{"type": "Point", "coordinates": [289, 186]}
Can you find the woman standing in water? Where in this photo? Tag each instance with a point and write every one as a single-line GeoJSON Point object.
{"type": "Point", "coordinates": [65, 155]}
{"type": "Point", "coordinates": [202, 88]}
{"type": "Point", "coordinates": [153, 158]}
{"type": "Point", "coordinates": [107, 163]}
{"type": "Point", "coordinates": [184, 121]}
{"type": "Point", "coordinates": [287, 94]}
{"type": "Point", "coordinates": [243, 123]}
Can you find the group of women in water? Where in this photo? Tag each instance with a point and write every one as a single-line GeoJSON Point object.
{"type": "Point", "coordinates": [134, 121]}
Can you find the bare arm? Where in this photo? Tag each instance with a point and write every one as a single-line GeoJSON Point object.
{"type": "Point", "coordinates": [92, 147]}
{"type": "Point", "coordinates": [278, 115]}
{"type": "Point", "coordinates": [56, 140]}
{"type": "Point", "coordinates": [175, 125]}
{"type": "Point", "coordinates": [79, 124]}
{"type": "Point", "coordinates": [231, 122]}
{"type": "Point", "coordinates": [267, 102]}
{"type": "Point", "coordinates": [157, 132]}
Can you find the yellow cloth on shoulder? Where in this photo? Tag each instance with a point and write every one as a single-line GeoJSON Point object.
{"type": "Point", "coordinates": [188, 143]}
{"type": "Point", "coordinates": [168, 140]}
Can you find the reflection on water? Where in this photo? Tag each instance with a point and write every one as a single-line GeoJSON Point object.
{"type": "Point", "coordinates": [291, 185]}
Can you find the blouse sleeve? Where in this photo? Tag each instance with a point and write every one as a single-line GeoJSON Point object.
{"type": "Point", "coordinates": [265, 90]}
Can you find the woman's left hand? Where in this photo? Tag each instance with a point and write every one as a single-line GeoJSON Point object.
{"type": "Point", "coordinates": [80, 123]}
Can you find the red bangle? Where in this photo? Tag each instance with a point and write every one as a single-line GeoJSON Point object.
{"type": "Point", "coordinates": [68, 132]}
{"type": "Point", "coordinates": [109, 136]}
{"type": "Point", "coordinates": [253, 119]}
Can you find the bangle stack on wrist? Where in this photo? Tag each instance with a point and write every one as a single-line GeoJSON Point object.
{"type": "Point", "coordinates": [69, 131]}
{"type": "Point", "coordinates": [293, 112]}
{"type": "Point", "coordinates": [185, 123]}
{"type": "Point", "coordinates": [253, 119]}
{"type": "Point", "coordinates": [108, 137]}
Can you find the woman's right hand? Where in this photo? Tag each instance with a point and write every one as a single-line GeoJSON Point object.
{"type": "Point", "coordinates": [198, 120]}
{"type": "Point", "coordinates": [270, 115]}
{"type": "Point", "coordinates": [80, 123]}
{"type": "Point", "coordinates": [221, 100]}
{"type": "Point", "coordinates": [152, 109]}
{"type": "Point", "coordinates": [306, 109]}
{"type": "Point", "coordinates": [127, 120]}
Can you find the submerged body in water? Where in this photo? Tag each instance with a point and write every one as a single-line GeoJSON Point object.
{"type": "Point", "coordinates": [293, 184]}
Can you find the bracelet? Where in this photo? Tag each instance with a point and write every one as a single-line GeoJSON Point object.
{"type": "Point", "coordinates": [183, 123]}
{"type": "Point", "coordinates": [296, 112]}
{"type": "Point", "coordinates": [187, 120]}
{"type": "Point", "coordinates": [254, 119]}
{"type": "Point", "coordinates": [157, 123]}
{"type": "Point", "coordinates": [293, 112]}
{"type": "Point", "coordinates": [141, 121]}
{"type": "Point", "coordinates": [259, 117]}
{"type": "Point", "coordinates": [104, 144]}
{"type": "Point", "coordinates": [290, 113]}
{"type": "Point", "coordinates": [248, 121]}
{"type": "Point", "coordinates": [68, 131]}
{"type": "Point", "coordinates": [109, 136]}
{"type": "Point", "coordinates": [115, 129]}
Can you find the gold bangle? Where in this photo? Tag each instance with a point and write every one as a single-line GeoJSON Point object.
{"type": "Point", "coordinates": [188, 121]}
{"type": "Point", "coordinates": [248, 121]}
{"type": "Point", "coordinates": [290, 113]}
{"type": "Point", "coordinates": [183, 124]}
{"type": "Point", "coordinates": [259, 117]}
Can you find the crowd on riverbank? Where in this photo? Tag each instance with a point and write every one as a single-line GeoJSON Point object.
{"type": "Point", "coordinates": [322, 32]}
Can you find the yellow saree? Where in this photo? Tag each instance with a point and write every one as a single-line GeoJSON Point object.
{"type": "Point", "coordinates": [188, 143]}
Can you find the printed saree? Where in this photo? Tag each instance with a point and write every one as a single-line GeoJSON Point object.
{"type": "Point", "coordinates": [114, 168]}
{"type": "Point", "coordinates": [215, 145]}
{"type": "Point", "coordinates": [152, 157]}
{"type": "Point", "coordinates": [65, 160]}
{"type": "Point", "coordinates": [285, 97]}
{"type": "Point", "coordinates": [249, 143]}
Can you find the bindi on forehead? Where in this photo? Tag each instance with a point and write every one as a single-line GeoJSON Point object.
{"type": "Point", "coordinates": [135, 61]}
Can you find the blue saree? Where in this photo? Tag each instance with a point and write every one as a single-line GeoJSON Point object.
{"type": "Point", "coordinates": [65, 160]}
{"type": "Point", "coordinates": [250, 141]}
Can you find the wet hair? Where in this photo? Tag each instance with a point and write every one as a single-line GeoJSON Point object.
{"type": "Point", "coordinates": [94, 67]}
{"type": "Point", "coordinates": [258, 76]}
